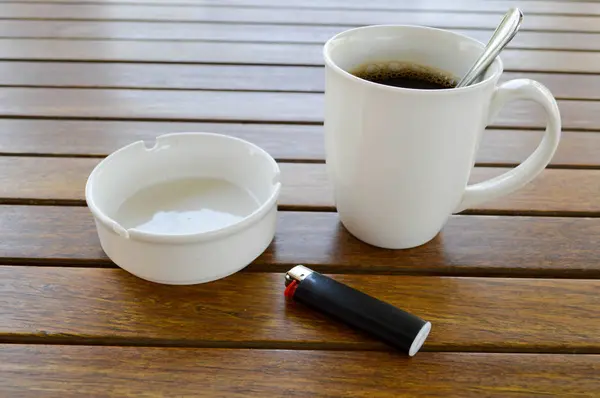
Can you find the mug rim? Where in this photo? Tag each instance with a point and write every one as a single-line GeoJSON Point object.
{"type": "Point", "coordinates": [444, 91]}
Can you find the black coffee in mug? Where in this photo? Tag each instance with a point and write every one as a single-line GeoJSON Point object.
{"type": "Point", "coordinates": [405, 74]}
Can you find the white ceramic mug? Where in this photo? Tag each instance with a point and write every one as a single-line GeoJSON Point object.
{"type": "Point", "coordinates": [399, 159]}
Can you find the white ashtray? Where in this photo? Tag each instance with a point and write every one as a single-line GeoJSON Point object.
{"type": "Point", "coordinates": [193, 208]}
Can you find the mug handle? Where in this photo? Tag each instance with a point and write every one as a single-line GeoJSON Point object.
{"type": "Point", "coordinates": [536, 162]}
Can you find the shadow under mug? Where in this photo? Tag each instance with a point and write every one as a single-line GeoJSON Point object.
{"type": "Point", "coordinates": [399, 159]}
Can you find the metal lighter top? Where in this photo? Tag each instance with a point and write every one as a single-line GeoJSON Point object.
{"type": "Point", "coordinates": [390, 324]}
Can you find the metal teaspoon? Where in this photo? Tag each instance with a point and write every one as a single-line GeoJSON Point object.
{"type": "Point", "coordinates": [506, 30]}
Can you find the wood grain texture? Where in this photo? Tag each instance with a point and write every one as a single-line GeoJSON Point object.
{"type": "Point", "coordinates": [288, 16]}
{"type": "Point", "coordinates": [552, 192]}
{"type": "Point", "coordinates": [490, 6]}
{"type": "Point", "coordinates": [126, 62]}
{"type": "Point", "coordinates": [229, 77]}
{"type": "Point", "coordinates": [73, 371]}
{"type": "Point", "coordinates": [468, 245]}
{"type": "Point", "coordinates": [514, 146]}
{"type": "Point", "coordinates": [193, 31]}
{"type": "Point", "coordinates": [305, 186]}
{"type": "Point", "coordinates": [235, 107]}
{"type": "Point", "coordinates": [283, 141]}
{"type": "Point", "coordinates": [110, 306]}
{"type": "Point", "coordinates": [251, 53]}
{"type": "Point", "coordinates": [99, 138]}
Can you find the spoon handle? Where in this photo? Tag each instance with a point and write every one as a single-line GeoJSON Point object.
{"type": "Point", "coordinates": [504, 33]}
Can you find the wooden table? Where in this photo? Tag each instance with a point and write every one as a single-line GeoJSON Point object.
{"type": "Point", "coordinates": [511, 287]}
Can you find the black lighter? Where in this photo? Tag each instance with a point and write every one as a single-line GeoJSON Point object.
{"type": "Point", "coordinates": [397, 328]}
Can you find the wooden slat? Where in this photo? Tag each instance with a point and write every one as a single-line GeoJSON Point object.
{"type": "Point", "coordinates": [235, 107]}
{"type": "Point", "coordinates": [494, 6]}
{"type": "Point", "coordinates": [291, 16]}
{"type": "Point", "coordinates": [99, 138]}
{"type": "Point", "coordinates": [111, 306]}
{"type": "Point", "coordinates": [468, 245]}
{"type": "Point", "coordinates": [228, 77]}
{"type": "Point", "coordinates": [500, 147]}
{"type": "Point", "coordinates": [187, 77]}
{"type": "Point", "coordinates": [283, 141]}
{"type": "Point", "coordinates": [305, 186]}
{"type": "Point", "coordinates": [251, 53]}
{"type": "Point", "coordinates": [142, 371]}
{"type": "Point", "coordinates": [254, 33]}
{"type": "Point", "coordinates": [557, 192]}
{"type": "Point", "coordinates": [546, 193]}
{"type": "Point", "coordinates": [148, 104]}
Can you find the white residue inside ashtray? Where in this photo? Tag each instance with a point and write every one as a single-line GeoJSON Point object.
{"type": "Point", "coordinates": [186, 206]}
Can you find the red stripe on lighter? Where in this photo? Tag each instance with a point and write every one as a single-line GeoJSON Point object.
{"type": "Point", "coordinates": [291, 289]}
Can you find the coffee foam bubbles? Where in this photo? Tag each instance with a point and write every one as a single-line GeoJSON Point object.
{"type": "Point", "coordinates": [381, 71]}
